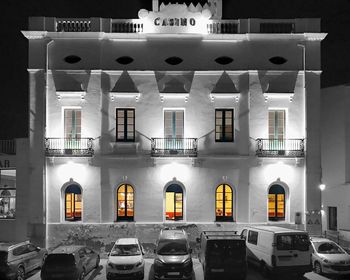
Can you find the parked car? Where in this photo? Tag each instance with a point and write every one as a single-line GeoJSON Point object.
{"type": "Point", "coordinates": [173, 255]}
{"type": "Point", "coordinates": [17, 259]}
{"type": "Point", "coordinates": [329, 258]}
{"type": "Point", "coordinates": [278, 250]}
{"type": "Point", "coordinates": [126, 260]}
{"type": "Point", "coordinates": [222, 254]}
{"type": "Point", "coordinates": [69, 262]}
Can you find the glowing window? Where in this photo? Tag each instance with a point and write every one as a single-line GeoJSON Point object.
{"type": "Point", "coordinates": [125, 125]}
{"type": "Point", "coordinates": [125, 203]}
{"type": "Point", "coordinates": [224, 203]}
{"type": "Point", "coordinates": [174, 203]}
{"type": "Point", "coordinates": [73, 200]}
{"type": "Point", "coordinates": [276, 198]}
{"type": "Point", "coordinates": [224, 125]}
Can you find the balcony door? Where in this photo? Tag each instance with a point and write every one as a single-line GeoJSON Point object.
{"type": "Point", "coordinates": [173, 129]}
{"type": "Point", "coordinates": [72, 128]}
{"type": "Point", "coordinates": [277, 130]}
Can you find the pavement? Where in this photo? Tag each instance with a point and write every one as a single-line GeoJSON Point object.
{"type": "Point", "coordinates": [100, 273]}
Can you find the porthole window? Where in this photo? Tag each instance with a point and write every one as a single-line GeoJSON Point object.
{"type": "Point", "coordinates": [224, 60]}
{"type": "Point", "coordinates": [72, 59]}
{"type": "Point", "coordinates": [278, 60]}
{"type": "Point", "coordinates": [124, 60]}
{"type": "Point", "coordinates": [174, 60]}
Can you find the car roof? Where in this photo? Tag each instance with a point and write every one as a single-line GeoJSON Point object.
{"type": "Point", "coordinates": [5, 246]}
{"type": "Point", "coordinates": [320, 239]}
{"type": "Point", "coordinates": [172, 234]}
{"type": "Point", "coordinates": [69, 249]}
{"type": "Point", "coordinates": [276, 229]}
{"type": "Point", "coordinates": [127, 241]}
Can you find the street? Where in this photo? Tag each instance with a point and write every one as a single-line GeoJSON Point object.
{"type": "Point", "coordinates": [100, 273]}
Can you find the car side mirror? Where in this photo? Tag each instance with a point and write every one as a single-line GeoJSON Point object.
{"type": "Point", "coordinates": [37, 249]}
{"type": "Point", "coordinates": [198, 240]}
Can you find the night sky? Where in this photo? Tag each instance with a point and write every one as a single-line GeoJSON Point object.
{"type": "Point", "coordinates": [335, 16]}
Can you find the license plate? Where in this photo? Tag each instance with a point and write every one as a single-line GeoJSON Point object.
{"type": "Point", "coordinates": [217, 270]}
{"type": "Point", "coordinates": [173, 273]}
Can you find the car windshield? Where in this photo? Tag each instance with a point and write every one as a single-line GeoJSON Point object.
{"type": "Point", "coordinates": [60, 260]}
{"type": "Point", "coordinates": [126, 250]}
{"type": "Point", "coordinates": [226, 248]}
{"type": "Point", "coordinates": [299, 242]}
{"type": "Point", "coordinates": [172, 247]}
{"type": "Point", "coordinates": [328, 248]}
{"type": "Point", "coordinates": [3, 256]}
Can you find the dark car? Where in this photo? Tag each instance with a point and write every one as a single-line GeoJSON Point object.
{"type": "Point", "coordinates": [70, 262]}
{"type": "Point", "coordinates": [17, 259]}
{"type": "Point", "coordinates": [222, 255]}
{"type": "Point", "coordinates": [173, 255]}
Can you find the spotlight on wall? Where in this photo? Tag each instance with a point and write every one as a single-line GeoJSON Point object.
{"type": "Point", "coordinates": [322, 187]}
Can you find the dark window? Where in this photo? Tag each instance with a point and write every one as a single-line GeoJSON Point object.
{"type": "Point", "coordinates": [125, 125]}
{"type": "Point", "coordinates": [278, 60]}
{"type": "Point", "coordinates": [21, 250]}
{"type": "Point", "coordinates": [277, 205]}
{"type": "Point", "coordinates": [174, 60]}
{"type": "Point", "coordinates": [253, 237]}
{"type": "Point", "coordinates": [224, 125]}
{"type": "Point", "coordinates": [298, 242]}
{"type": "Point", "coordinates": [73, 199]}
{"type": "Point", "coordinates": [125, 203]}
{"type": "Point", "coordinates": [124, 60]}
{"type": "Point", "coordinates": [72, 59]}
{"type": "Point", "coordinates": [332, 218]}
{"type": "Point", "coordinates": [224, 60]}
{"type": "Point", "coordinates": [31, 248]}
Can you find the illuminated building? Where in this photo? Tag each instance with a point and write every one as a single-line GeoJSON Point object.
{"type": "Point", "coordinates": [176, 117]}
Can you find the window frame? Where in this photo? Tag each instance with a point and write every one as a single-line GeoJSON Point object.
{"type": "Point", "coordinates": [332, 214]}
{"type": "Point", "coordinates": [125, 117]}
{"type": "Point", "coordinates": [224, 218]}
{"type": "Point", "coordinates": [75, 218]}
{"type": "Point", "coordinates": [176, 218]}
{"type": "Point", "coordinates": [125, 218]}
{"type": "Point", "coordinates": [223, 139]}
{"type": "Point", "coordinates": [253, 239]}
{"type": "Point", "coordinates": [276, 218]}
{"type": "Point", "coordinates": [10, 197]}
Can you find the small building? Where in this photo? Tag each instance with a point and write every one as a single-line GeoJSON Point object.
{"type": "Point", "coordinates": [175, 117]}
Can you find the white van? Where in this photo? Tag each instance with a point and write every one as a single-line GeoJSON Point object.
{"type": "Point", "coordinates": [278, 250]}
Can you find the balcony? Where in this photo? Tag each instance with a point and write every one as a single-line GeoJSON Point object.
{"type": "Point", "coordinates": [280, 147]}
{"type": "Point", "coordinates": [66, 147]}
{"type": "Point", "coordinates": [174, 147]}
{"type": "Point", "coordinates": [73, 25]}
{"type": "Point", "coordinates": [127, 26]}
{"type": "Point", "coordinates": [223, 27]}
{"type": "Point", "coordinates": [8, 147]}
{"type": "Point", "coordinates": [277, 27]}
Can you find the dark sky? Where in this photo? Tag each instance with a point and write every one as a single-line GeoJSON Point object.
{"type": "Point", "coordinates": [335, 16]}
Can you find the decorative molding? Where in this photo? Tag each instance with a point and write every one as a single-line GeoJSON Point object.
{"type": "Point", "coordinates": [221, 95]}
{"type": "Point", "coordinates": [35, 35]}
{"type": "Point", "coordinates": [70, 94]}
{"type": "Point", "coordinates": [116, 95]}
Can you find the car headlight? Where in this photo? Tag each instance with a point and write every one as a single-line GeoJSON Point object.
{"type": "Point", "coordinates": [109, 264]}
{"type": "Point", "coordinates": [325, 260]}
{"type": "Point", "coordinates": [138, 264]}
{"type": "Point", "coordinates": [158, 262]}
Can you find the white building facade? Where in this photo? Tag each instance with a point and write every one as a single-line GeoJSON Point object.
{"type": "Point", "coordinates": [177, 117]}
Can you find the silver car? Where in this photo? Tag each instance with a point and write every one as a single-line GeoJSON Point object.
{"type": "Point", "coordinates": [329, 258]}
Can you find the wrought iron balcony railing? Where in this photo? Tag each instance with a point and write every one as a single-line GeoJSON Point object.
{"type": "Point", "coordinates": [127, 26]}
{"type": "Point", "coordinates": [174, 147]}
{"type": "Point", "coordinates": [223, 27]}
{"type": "Point", "coordinates": [280, 147]}
{"type": "Point", "coordinates": [73, 25]}
{"type": "Point", "coordinates": [277, 27]}
{"type": "Point", "coordinates": [8, 147]}
{"type": "Point", "coordinates": [67, 147]}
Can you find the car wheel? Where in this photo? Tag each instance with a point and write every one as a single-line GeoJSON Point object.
{"type": "Point", "coordinates": [20, 273]}
{"type": "Point", "coordinates": [97, 262]}
{"type": "Point", "coordinates": [318, 268]}
{"type": "Point", "coordinates": [82, 275]}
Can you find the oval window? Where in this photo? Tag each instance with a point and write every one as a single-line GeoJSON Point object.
{"type": "Point", "coordinates": [224, 60]}
{"type": "Point", "coordinates": [124, 60]}
{"type": "Point", "coordinates": [278, 60]}
{"type": "Point", "coordinates": [174, 60]}
{"type": "Point", "coordinates": [72, 59]}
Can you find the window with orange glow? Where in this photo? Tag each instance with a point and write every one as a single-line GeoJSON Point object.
{"type": "Point", "coordinates": [276, 203]}
{"type": "Point", "coordinates": [174, 203]}
{"type": "Point", "coordinates": [125, 203]}
{"type": "Point", "coordinates": [224, 203]}
{"type": "Point", "coordinates": [73, 200]}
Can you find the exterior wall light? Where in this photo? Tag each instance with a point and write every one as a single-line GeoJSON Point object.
{"type": "Point", "coordinates": [322, 187]}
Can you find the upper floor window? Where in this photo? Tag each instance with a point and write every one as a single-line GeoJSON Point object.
{"type": "Point", "coordinates": [125, 125]}
{"type": "Point", "coordinates": [277, 124]}
{"type": "Point", "coordinates": [224, 125]}
{"type": "Point", "coordinates": [72, 123]}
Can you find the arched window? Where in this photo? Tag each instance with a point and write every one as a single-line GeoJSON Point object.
{"type": "Point", "coordinates": [174, 202]}
{"type": "Point", "coordinates": [223, 203]}
{"type": "Point", "coordinates": [125, 203]}
{"type": "Point", "coordinates": [277, 203]}
{"type": "Point", "coordinates": [73, 203]}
